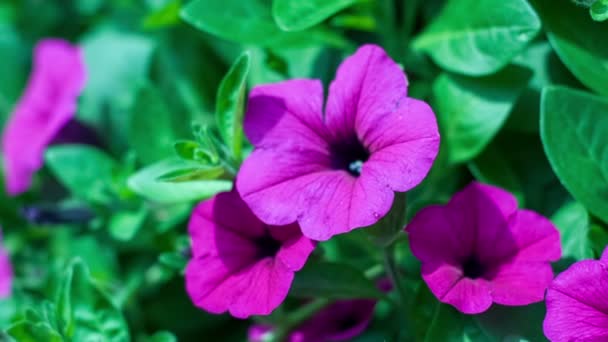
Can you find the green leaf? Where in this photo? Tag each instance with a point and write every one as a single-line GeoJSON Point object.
{"type": "Point", "coordinates": [333, 280]}
{"type": "Point", "coordinates": [117, 62]}
{"type": "Point", "coordinates": [231, 105]}
{"type": "Point", "coordinates": [161, 336]}
{"type": "Point", "coordinates": [192, 150]}
{"type": "Point", "coordinates": [175, 260]}
{"type": "Point", "coordinates": [124, 225]}
{"type": "Point", "coordinates": [86, 171]}
{"type": "Point", "coordinates": [575, 39]}
{"type": "Point", "coordinates": [574, 131]}
{"type": "Point", "coordinates": [192, 174]}
{"type": "Point", "coordinates": [28, 331]}
{"type": "Point", "coordinates": [450, 325]}
{"type": "Point", "coordinates": [493, 168]}
{"type": "Point", "coordinates": [151, 132]}
{"type": "Point", "coordinates": [296, 15]}
{"type": "Point", "coordinates": [147, 184]}
{"type": "Point", "coordinates": [85, 311]}
{"type": "Point", "coordinates": [472, 110]}
{"type": "Point", "coordinates": [599, 10]}
{"type": "Point", "coordinates": [572, 220]}
{"type": "Point", "coordinates": [478, 37]}
{"type": "Point", "coordinates": [384, 232]}
{"type": "Point", "coordinates": [166, 16]}
{"type": "Point", "coordinates": [248, 22]}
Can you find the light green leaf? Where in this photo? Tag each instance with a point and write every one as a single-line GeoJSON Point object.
{"type": "Point", "coordinates": [249, 22]}
{"type": "Point", "coordinates": [192, 174]}
{"type": "Point", "coordinates": [478, 37]}
{"type": "Point", "coordinates": [472, 110]}
{"type": "Point", "coordinates": [599, 10]}
{"type": "Point", "coordinates": [230, 105]}
{"type": "Point", "coordinates": [296, 15]}
{"type": "Point", "coordinates": [124, 225]}
{"type": "Point", "coordinates": [572, 220]}
{"type": "Point", "coordinates": [28, 331]}
{"type": "Point", "coordinates": [147, 184]}
{"type": "Point", "coordinates": [86, 171]}
{"type": "Point", "coordinates": [167, 15]}
{"type": "Point", "coordinates": [85, 311]}
{"type": "Point", "coordinates": [150, 129]}
{"type": "Point", "coordinates": [574, 131]}
{"type": "Point", "coordinates": [332, 280]}
{"type": "Point", "coordinates": [577, 41]}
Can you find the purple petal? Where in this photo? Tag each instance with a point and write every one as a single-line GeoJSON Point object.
{"type": "Point", "coordinates": [368, 84]}
{"type": "Point", "coordinates": [521, 283]}
{"type": "Point", "coordinates": [470, 296]}
{"type": "Point", "coordinates": [535, 237]}
{"type": "Point", "coordinates": [288, 114]}
{"type": "Point", "coordinates": [48, 103]}
{"type": "Point", "coordinates": [577, 304]}
{"type": "Point", "coordinates": [298, 186]}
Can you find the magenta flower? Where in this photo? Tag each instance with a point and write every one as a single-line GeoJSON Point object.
{"type": "Point", "coordinates": [240, 264]}
{"type": "Point", "coordinates": [340, 321]}
{"type": "Point", "coordinates": [336, 170]}
{"type": "Point", "coordinates": [479, 249]}
{"type": "Point", "coordinates": [48, 104]}
{"type": "Point", "coordinates": [577, 303]}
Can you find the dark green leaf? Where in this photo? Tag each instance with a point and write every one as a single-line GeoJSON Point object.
{"type": "Point", "coordinates": [333, 280]}
{"type": "Point", "coordinates": [296, 15]}
{"type": "Point", "coordinates": [151, 132]}
{"type": "Point", "coordinates": [192, 174]}
{"type": "Point", "coordinates": [472, 110]}
{"type": "Point", "coordinates": [574, 131]}
{"type": "Point", "coordinates": [230, 105]}
{"type": "Point", "coordinates": [146, 183]}
{"type": "Point", "coordinates": [385, 231]}
{"type": "Point", "coordinates": [86, 171]}
{"type": "Point", "coordinates": [450, 325]}
{"type": "Point", "coordinates": [478, 37]}
{"type": "Point", "coordinates": [575, 39]}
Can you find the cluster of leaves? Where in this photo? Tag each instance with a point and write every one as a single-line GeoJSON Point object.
{"type": "Point", "coordinates": [519, 88]}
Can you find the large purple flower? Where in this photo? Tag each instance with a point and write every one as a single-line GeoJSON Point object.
{"type": "Point", "coordinates": [336, 170]}
{"type": "Point", "coordinates": [577, 303]}
{"type": "Point", "coordinates": [479, 249]}
{"type": "Point", "coordinates": [48, 104]}
{"type": "Point", "coordinates": [240, 264]}
{"type": "Point", "coordinates": [341, 321]}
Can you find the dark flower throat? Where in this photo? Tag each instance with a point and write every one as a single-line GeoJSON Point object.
{"type": "Point", "coordinates": [349, 156]}
{"type": "Point", "coordinates": [267, 246]}
{"type": "Point", "coordinates": [472, 268]}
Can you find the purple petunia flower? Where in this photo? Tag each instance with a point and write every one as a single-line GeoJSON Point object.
{"type": "Point", "coordinates": [240, 264]}
{"type": "Point", "coordinates": [479, 249]}
{"type": "Point", "coordinates": [48, 104]}
{"type": "Point", "coordinates": [336, 169]}
{"type": "Point", "coordinates": [577, 303]}
{"type": "Point", "coordinates": [6, 274]}
{"type": "Point", "coordinates": [340, 321]}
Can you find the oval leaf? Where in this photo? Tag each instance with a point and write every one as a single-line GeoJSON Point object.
{"type": "Point", "coordinates": [147, 184]}
{"type": "Point", "coordinates": [333, 280]}
{"type": "Point", "coordinates": [295, 15]}
{"type": "Point", "coordinates": [478, 37]}
{"type": "Point", "coordinates": [574, 132]}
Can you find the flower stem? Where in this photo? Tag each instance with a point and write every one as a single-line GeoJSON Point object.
{"type": "Point", "coordinates": [296, 318]}
{"type": "Point", "coordinates": [393, 273]}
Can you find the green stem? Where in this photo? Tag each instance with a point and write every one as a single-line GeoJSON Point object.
{"type": "Point", "coordinates": [298, 317]}
{"type": "Point", "coordinates": [393, 273]}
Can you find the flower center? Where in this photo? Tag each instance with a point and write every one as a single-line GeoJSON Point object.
{"type": "Point", "coordinates": [267, 246]}
{"type": "Point", "coordinates": [472, 268]}
{"type": "Point", "coordinates": [349, 156]}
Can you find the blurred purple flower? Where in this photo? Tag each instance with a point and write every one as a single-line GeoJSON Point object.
{"type": "Point", "coordinates": [479, 249]}
{"type": "Point", "coordinates": [47, 105]}
{"type": "Point", "coordinates": [340, 321]}
{"type": "Point", "coordinates": [337, 171]}
{"type": "Point", "coordinates": [577, 303]}
{"type": "Point", "coordinates": [6, 274]}
{"type": "Point", "coordinates": [240, 264]}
